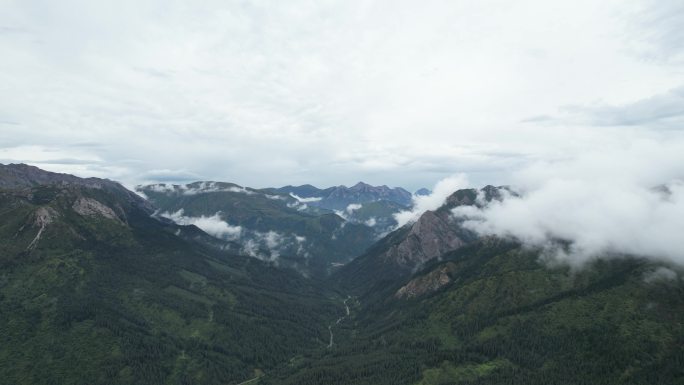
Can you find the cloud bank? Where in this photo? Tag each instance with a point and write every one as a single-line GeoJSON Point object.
{"type": "Point", "coordinates": [627, 201]}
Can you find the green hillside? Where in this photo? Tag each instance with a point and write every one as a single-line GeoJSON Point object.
{"type": "Point", "coordinates": [504, 317]}
{"type": "Point", "coordinates": [95, 291]}
{"type": "Point", "coordinates": [280, 228]}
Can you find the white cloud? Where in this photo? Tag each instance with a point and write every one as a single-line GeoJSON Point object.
{"type": "Point", "coordinates": [353, 207]}
{"type": "Point", "coordinates": [160, 187]}
{"type": "Point", "coordinates": [602, 203]}
{"type": "Point", "coordinates": [212, 225]}
{"type": "Point", "coordinates": [305, 200]}
{"type": "Point", "coordinates": [423, 203]}
{"type": "Point", "coordinates": [209, 187]}
{"type": "Point", "coordinates": [348, 211]}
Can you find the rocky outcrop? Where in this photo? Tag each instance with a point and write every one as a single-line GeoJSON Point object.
{"type": "Point", "coordinates": [431, 236]}
{"type": "Point", "coordinates": [437, 232]}
{"type": "Point", "coordinates": [41, 218]}
{"type": "Point", "coordinates": [89, 207]}
{"type": "Point", "coordinates": [426, 284]}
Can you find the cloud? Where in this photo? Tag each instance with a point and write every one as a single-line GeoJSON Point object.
{"type": "Point", "coordinates": [199, 188]}
{"type": "Point", "coordinates": [270, 245]}
{"type": "Point", "coordinates": [660, 274]}
{"type": "Point", "coordinates": [305, 200]}
{"type": "Point", "coordinates": [326, 92]}
{"type": "Point", "coordinates": [210, 187]}
{"type": "Point", "coordinates": [622, 201]}
{"type": "Point", "coordinates": [423, 203]}
{"type": "Point", "coordinates": [353, 207]}
{"type": "Point", "coordinates": [347, 213]}
{"type": "Point", "coordinates": [664, 110]}
{"type": "Point", "coordinates": [212, 225]}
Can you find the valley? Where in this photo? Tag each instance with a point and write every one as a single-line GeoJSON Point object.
{"type": "Point", "coordinates": [98, 287]}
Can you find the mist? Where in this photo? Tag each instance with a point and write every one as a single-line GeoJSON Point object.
{"type": "Point", "coordinates": [423, 203]}
{"type": "Point", "coordinates": [621, 201]}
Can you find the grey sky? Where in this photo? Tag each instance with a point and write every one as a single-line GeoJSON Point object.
{"type": "Point", "coordinates": [266, 93]}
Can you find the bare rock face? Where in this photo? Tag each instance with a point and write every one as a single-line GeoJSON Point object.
{"type": "Point", "coordinates": [430, 236]}
{"type": "Point", "coordinates": [436, 233]}
{"type": "Point", "coordinates": [44, 216]}
{"type": "Point", "coordinates": [426, 284]}
{"type": "Point", "coordinates": [89, 207]}
{"type": "Point", "coordinates": [41, 218]}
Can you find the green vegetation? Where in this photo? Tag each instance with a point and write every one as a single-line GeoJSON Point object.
{"type": "Point", "coordinates": [507, 318]}
{"type": "Point", "coordinates": [93, 290]}
{"type": "Point", "coordinates": [327, 238]}
{"type": "Point", "coordinates": [123, 300]}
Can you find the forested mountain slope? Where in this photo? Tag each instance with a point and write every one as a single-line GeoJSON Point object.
{"type": "Point", "coordinates": [493, 312]}
{"type": "Point", "coordinates": [269, 225]}
{"type": "Point", "coordinates": [94, 290]}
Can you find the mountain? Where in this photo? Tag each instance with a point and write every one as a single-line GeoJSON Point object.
{"type": "Point", "coordinates": [97, 287]}
{"type": "Point", "coordinates": [378, 215]}
{"type": "Point", "coordinates": [432, 303]}
{"type": "Point", "coordinates": [407, 249]}
{"type": "Point", "coordinates": [93, 289]}
{"type": "Point", "coordinates": [493, 312]}
{"type": "Point", "coordinates": [269, 225]}
{"type": "Point", "coordinates": [340, 197]}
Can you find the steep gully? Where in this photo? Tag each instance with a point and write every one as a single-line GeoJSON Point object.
{"type": "Point", "coordinates": [346, 308]}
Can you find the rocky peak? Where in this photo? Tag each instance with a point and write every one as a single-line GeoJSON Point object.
{"type": "Point", "coordinates": [431, 236]}
{"type": "Point", "coordinates": [436, 233]}
{"type": "Point", "coordinates": [361, 186]}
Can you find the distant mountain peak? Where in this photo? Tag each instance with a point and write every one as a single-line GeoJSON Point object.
{"type": "Point", "coordinates": [339, 197]}
{"type": "Point", "coordinates": [361, 185]}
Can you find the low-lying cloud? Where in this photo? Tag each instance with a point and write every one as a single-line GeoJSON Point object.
{"type": "Point", "coordinates": [267, 246]}
{"type": "Point", "coordinates": [305, 200]}
{"type": "Point", "coordinates": [347, 213]}
{"type": "Point", "coordinates": [423, 203]}
{"type": "Point", "coordinates": [618, 202]}
{"type": "Point", "coordinates": [201, 188]}
{"type": "Point", "coordinates": [212, 225]}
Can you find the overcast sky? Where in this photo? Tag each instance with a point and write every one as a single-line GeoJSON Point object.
{"type": "Point", "coordinates": [404, 93]}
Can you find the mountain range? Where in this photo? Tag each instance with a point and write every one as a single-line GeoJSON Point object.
{"type": "Point", "coordinates": [314, 232]}
{"type": "Point", "coordinates": [101, 285]}
{"type": "Point", "coordinates": [339, 197]}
